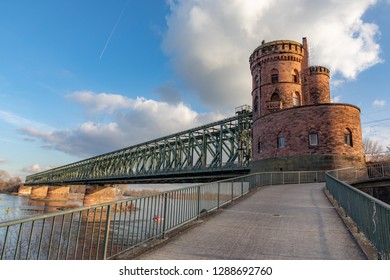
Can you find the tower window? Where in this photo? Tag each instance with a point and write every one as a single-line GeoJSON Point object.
{"type": "Point", "coordinates": [348, 137]}
{"type": "Point", "coordinates": [274, 78]}
{"type": "Point", "coordinates": [275, 97]}
{"type": "Point", "coordinates": [259, 147]}
{"type": "Point", "coordinates": [256, 104]}
{"type": "Point", "coordinates": [281, 142]}
{"type": "Point", "coordinates": [313, 139]}
{"type": "Point", "coordinates": [296, 99]}
{"type": "Point", "coordinates": [295, 76]}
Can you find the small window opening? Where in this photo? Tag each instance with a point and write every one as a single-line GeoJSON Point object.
{"type": "Point", "coordinates": [295, 76]}
{"type": "Point", "coordinates": [281, 142]}
{"type": "Point", "coordinates": [313, 139]}
{"type": "Point", "coordinates": [256, 104]}
{"type": "Point", "coordinates": [348, 137]}
{"type": "Point", "coordinates": [259, 147]}
{"type": "Point", "coordinates": [274, 78]}
{"type": "Point", "coordinates": [296, 99]}
{"type": "Point", "coordinates": [275, 97]}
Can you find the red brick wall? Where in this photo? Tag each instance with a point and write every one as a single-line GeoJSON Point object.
{"type": "Point", "coordinates": [329, 121]}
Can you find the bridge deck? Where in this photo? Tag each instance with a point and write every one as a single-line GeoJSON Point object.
{"type": "Point", "coordinates": [277, 222]}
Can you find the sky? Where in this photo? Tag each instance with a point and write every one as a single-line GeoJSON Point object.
{"type": "Point", "coordinates": [81, 78]}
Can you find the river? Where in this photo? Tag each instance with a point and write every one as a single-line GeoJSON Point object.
{"type": "Point", "coordinates": [13, 207]}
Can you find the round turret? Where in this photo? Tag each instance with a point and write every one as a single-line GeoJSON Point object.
{"type": "Point", "coordinates": [279, 66]}
{"type": "Point", "coordinates": [316, 85]}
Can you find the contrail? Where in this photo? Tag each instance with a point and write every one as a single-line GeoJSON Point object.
{"type": "Point", "coordinates": [114, 28]}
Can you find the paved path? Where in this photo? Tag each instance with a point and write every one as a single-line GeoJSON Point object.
{"type": "Point", "coordinates": [277, 222]}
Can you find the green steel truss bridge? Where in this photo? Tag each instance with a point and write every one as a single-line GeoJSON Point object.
{"type": "Point", "coordinates": [210, 152]}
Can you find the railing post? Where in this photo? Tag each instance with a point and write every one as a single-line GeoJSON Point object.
{"type": "Point", "coordinates": [198, 204]}
{"type": "Point", "coordinates": [299, 177]}
{"type": "Point", "coordinates": [165, 215]}
{"type": "Point", "coordinates": [219, 193]}
{"type": "Point", "coordinates": [242, 186]}
{"type": "Point", "coordinates": [232, 190]}
{"type": "Point", "coordinates": [107, 231]}
{"type": "Point", "coordinates": [383, 170]}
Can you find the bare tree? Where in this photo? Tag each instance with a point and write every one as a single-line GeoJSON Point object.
{"type": "Point", "coordinates": [373, 151]}
{"type": "Point", "coordinates": [371, 146]}
{"type": "Point", "coordinates": [8, 183]}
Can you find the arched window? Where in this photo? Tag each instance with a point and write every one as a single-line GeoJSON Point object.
{"type": "Point", "coordinates": [256, 104]}
{"type": "Point", "coordinates": [295, 76]}
{"type": "Point", "coordinates": [274, 76]}
{"type": "Point", "coordinates": [313, 139]}
{"type": "Point", "coordinates": [281, 142]}
{"type": "Point", "coordinates": [260, 146]}
{"type": "Point", "coordinates": [255, 82]}
{"type": "Point", "coordinates": [296, 99]}
{"type": "Point", "coordinates": [275, 97]}
{"type": "Point", "coordinates": [348, 137]}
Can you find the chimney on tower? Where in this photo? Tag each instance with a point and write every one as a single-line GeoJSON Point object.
{"type": "Point", "coordinates": [305, 62]}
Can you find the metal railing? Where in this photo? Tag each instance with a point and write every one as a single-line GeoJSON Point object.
{"type": "Point", "coordinates": [105, 230]}
{"type": "Point", "coordinates": [371, 216]}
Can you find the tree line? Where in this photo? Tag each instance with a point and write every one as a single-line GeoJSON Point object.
{"type": "Point", "coordinates": [7, 183]}
{"type": "Point", "coordinates": [374, 152]}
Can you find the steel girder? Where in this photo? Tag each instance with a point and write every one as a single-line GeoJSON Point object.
{"type": "Point", "coordinates": [222, 146]}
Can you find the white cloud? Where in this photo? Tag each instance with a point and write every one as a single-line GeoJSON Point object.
{"type": "Point", "coordinates": [209, 42]}
{"type": "Point", "coordinates": [336, 99]}
{"type": "Point", "coordinates": [20, 121]}
{"type": "Point", "coordinates": [379, 103]}
{"type": "Point", "coordinates": [105, 102]}
{"type": "Point", "coordinates": [35, 168]}
{"type": "Point", "coordinates": [133, 121]}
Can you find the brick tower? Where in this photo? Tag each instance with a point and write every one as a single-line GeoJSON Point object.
{"type": "Point", "coordinates": [295, 127]}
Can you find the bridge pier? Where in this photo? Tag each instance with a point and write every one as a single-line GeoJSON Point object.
{"type": "Point", "coordinates": [24, 190]}
{"type": "Point", "coordinates": [99, 194]}
{"type": "Point", "coordinates": [39, 192]}
{"type": "Point", "coordinates": [58, 193]}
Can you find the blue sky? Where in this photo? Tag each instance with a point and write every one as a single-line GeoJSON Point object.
{"type": "Point", "coordinates": [80, 78]}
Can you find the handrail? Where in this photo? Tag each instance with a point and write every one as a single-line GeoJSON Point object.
{"type": "Point", "coordinates": [371, 216]}
{"type": "Point", "coordinates": [104, 230]}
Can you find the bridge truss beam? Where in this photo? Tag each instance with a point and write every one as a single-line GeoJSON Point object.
{"type": "Point", "coordinates": [217, 150]}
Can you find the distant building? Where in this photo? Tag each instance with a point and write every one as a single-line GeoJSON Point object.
{"type": "Point", "coordinates": [295, 127]}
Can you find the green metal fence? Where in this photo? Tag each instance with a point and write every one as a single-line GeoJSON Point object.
{"type": "Point", "coordinates": [105, 230]}
{"type": "Point", "coordinates": [371, 216]}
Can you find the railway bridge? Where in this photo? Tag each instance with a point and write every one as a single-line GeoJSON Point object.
{"type": "Point", "coordinates": [210, 152]}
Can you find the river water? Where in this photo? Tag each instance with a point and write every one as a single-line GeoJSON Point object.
{"type": "Point", "coordinates": [13, 207]}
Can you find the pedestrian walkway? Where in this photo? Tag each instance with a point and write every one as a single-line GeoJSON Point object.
{"type": "Point", "coordinates": [276, 222]}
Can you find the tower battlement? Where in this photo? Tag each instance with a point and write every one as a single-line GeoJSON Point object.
{"type": "Point", "coordinates": [319, 70]}
{"type": "Point", "coordinates": [277, 47]}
